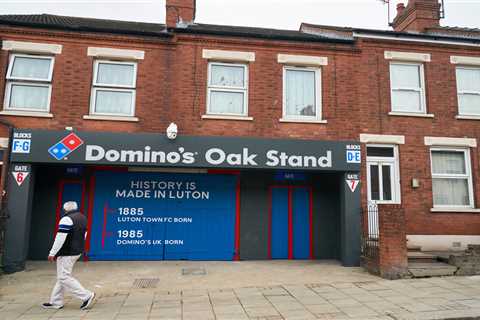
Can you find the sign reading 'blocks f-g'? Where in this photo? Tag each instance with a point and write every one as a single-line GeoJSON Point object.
{"type": "Point", "coordinates": [21, 145]}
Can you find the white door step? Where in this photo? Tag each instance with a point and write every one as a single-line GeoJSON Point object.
{"type": "Point", "coordinates": [431, 269]}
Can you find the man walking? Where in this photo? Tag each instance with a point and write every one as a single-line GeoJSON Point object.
{"type": "Point", "coordinates": [68, 246]}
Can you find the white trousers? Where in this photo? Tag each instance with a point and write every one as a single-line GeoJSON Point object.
{"type": "Point", "coordinates": [66, 282]}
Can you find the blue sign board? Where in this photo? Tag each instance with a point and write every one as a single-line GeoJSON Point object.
{"type": "Point", "coordinates": [354, 156]}
{"type": "Point", "coordinates": [21, 145]}
{"type": "Point", "coordinates": [160, 216]}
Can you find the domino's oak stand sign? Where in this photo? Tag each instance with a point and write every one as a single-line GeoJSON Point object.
{"type": "Point", "coordinates": [156, 150]}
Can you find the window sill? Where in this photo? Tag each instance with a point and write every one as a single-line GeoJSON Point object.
{"type": "Point", "coordinates": [386, 202]}
{"type": "Point", "coordinates": [411, 114]}
{"type": "Point", "coordinates": [302, 120]}
{"type": "Point", "coordinates": [466, 117]}
{"type": "Point", "coordinates": [452, 209]}
{"type": "Point", "coordinates": [26, 114]}
{"type": "Point", "coordinates": [110, 118]}
{"type": "Point", "coordinates": [225, 117]}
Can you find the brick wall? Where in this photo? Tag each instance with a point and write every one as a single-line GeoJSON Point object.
{"type": "Point", "coordinates": [171, 86]}
{"type": "Point", "coordinates": [441, 98]}
{"type": "Point", "coordinates": [393, 260]}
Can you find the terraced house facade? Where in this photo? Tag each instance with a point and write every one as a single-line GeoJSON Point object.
{"type": "Point", "coordinates": [277, 140]}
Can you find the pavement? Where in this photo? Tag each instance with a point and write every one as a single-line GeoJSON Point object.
{"type": "Point", "coordinates": [267, 290]}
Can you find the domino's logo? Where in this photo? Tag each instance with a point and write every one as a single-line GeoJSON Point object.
{"type": "Point", "coordinates": [65, 147]}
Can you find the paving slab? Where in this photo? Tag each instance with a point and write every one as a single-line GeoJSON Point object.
{"type": "Point", "coordinates": [307, 290]}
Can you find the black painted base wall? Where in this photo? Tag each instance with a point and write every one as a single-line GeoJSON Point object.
{"type": "Point", "coordinates": [254, 217]}
{"type": "Point", "coordinates": [42, 231]}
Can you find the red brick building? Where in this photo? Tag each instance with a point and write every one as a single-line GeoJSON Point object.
{"type": "Point", "coordinates": [410, 97]}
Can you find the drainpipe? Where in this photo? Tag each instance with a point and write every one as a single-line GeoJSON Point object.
{"type": "Point", "coordinates": [6, 162]}
{"type": "Point", "coordinates": [3, 182]}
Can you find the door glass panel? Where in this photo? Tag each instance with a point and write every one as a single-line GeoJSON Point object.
{"type": "Point", "coordinates": [387, 182]}
{"type": "Point", "coordinates": [374, 183]}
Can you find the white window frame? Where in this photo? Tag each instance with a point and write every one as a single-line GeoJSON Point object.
{"type": "Point", "coordinates": [394, 162]}
{"type": "Point", "coordinates": [243, 90]}
{"type": "Point", "coordinates": [8, 92]}
{"type": "Point", "coordinates": [459, 92]}
{"type": "Point", "coordinates": [318, 94]}
{"type": "Point", "coordinates": [29, 56]}
{"type": "Point", "coordinates": [468, 175]}
{"type": "Point", "coordinates": [34, 82]}
{"type": "Point", "coordinates": [423, 100]}
{"type": "Point", "coordinates": [97, 86]}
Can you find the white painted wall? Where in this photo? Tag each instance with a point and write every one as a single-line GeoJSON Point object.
{"type": "Point", "coordinates": [442, 242]}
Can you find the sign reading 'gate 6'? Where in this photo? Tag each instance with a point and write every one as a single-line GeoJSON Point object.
{"type": "Point", "coordinates": [142, 149]}
{"type": "Point", "coordinates": [20, 173]}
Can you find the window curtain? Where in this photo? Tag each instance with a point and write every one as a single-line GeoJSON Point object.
{"type": "Point", "coordinates": [31, 68]}
{"type": "Point", "coordinates": [445, 162]}
{"type": "Point", "coordinates": [300, 93]}
{"type": "Point", "coordinates": [453, 192]}
{"type": "Point", "coordinates": [405, 85]}
{"type": "Point", "coordinates": [115, 74]}
{"type": "Point", "coordinates": [450, 191]}
{"type": "Point", "coordinates": [29, 97]}
{"type": "Point", "coordinates": [468, 80]}
{"type": "Point", "coordinates": [227, 76]}
{"type": "Point", "coordinates": [113, 102]}
{"type": "Point", "coordinates": [226, 102]}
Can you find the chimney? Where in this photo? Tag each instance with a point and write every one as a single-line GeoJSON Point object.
{"type": "Point", "coordinates": [418, 16]}
{"type": "Point", "coordinates": [179, 11]}
{"type": "Point", "coordinates": [400, 8]}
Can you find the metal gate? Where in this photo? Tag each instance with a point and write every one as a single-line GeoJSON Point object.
{"type": "Point", "coordinates": [370, 238]}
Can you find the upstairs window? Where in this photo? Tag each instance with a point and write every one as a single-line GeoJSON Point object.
{"type": "Point", "coordinates": [227, 89]}
{"type": "Point", "coordinates": [301, 92]}
{"type": "Point", "coordinates": [451, 178]}
{"type": "Point", "coordinates": [29, 83]}
{"type": "Point", "coordinates": [407, 87]}
{"type": "Point", "coordinates": [113, 92]}
{"type": "Point", "coordinates": [468, 90]}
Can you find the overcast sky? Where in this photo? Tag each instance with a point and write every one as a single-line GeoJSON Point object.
{"type": "Point", "coordinates": [279, 14]}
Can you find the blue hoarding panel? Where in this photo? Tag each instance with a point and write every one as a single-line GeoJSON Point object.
{"type": "Point", "coordinates": [156, 216]}
{"type": "Point", "coordinates": [301, 223]}
{"type": "Point", "coordinates": [279, 240]}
